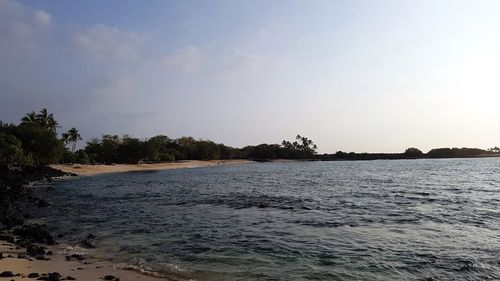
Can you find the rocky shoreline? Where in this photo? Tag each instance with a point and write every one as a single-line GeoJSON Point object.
{"type": "Point", "coordinates": [28, 250]}
{"type": "Point", "coordinates": [15, 190]}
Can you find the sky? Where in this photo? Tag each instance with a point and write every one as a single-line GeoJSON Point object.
{"type": "Point", "coordinates": [363, 76]}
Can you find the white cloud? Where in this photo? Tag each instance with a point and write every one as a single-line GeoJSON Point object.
{"type": "Point", "coordinates": [104, 41]}
{"type": "Point", "coordinates": [187, 59]}
{"type": "Point", "coordinates": [22, 29]}
{"type": "Point", "coordinates": [243, 63]}
{"type": "Point", "coordinates": [42, 18]}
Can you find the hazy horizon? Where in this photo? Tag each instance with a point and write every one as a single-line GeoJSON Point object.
{"type": "Point", "coordinates": [363, 76]}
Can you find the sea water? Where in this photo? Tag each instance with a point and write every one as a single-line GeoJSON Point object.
{"type": "Point", "coordinates": [362, 220]}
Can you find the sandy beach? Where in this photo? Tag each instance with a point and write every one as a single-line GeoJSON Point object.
{"type": "Point", "coordinates": [89, 170]}
{"type": "Point", "coordinates": [14, 260]}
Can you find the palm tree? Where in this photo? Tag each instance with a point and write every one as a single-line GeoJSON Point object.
{"type": "Point", "coordinates": [74, 137]}
{"type": "Point", "coordinates": [65, 138]}
{"type": "Point", "coordinates": [29, 118]}
{"type": "Point", "coordinates": [47, 120]}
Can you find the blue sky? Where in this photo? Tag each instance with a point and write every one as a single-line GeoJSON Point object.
{"type": "Point", "coordinates": [351, 75]}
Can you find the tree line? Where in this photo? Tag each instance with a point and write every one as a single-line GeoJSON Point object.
{"type": "Point", "coordinates": [161, 148]}
{"type": "Point", "coordinates": [35, 141]}
{"type": "Point", "coordinates": [413, 153]}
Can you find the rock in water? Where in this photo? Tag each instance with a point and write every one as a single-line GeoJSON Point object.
{"type": "Point", "coordinates": [36, 233]}
{"type": "Point", "coordinates": [87, 244]}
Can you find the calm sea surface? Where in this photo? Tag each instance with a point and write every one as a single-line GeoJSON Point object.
{"type": "Point", "coordinates": [364, 220]}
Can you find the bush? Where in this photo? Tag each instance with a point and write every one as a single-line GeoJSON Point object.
{"type": "Point", "coordinates": [40, 144]}
{"type": "Point", "coordinates": [11, 150]}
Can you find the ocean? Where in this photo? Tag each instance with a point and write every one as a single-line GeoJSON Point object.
{"type": "Point", "coordinates": [360, 220]}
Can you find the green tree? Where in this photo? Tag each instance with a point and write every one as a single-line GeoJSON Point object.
{"type": "Point", "coordinates": [81, 157]}
{"type": "Point", "coordinates": [65, 138]}
{"type": "Point", "coordinates": [156, 147]}
{"type": "Point", "coordinates": [39, 144]}
{"type": "Point", "coordinates": [73, 137]}
{"type": "Point", "coordinates": [29, 118]}
{"type": "Point", "coordinates": [11, 151]}
{"type": "Point", "coordinates": [413, 152]}
{"type": "Point", "coordinates": [130, 150]}
{"type": "Point", "coordinates": [46, 120]}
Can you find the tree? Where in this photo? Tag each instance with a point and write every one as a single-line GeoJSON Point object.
{"type": "Point", "coordinates": [65, 138]}
{"type": "Point", "coordinates": [39, 144]}
{"type": "Point", "coordinates": [413, 152]}
{"type": "Point", "coordinates": [43, 119]}
{"type": "Point", "coordinates": [495, 149]}
{"type": "Point", "coordinates": [46, 120]}
{"type": "Point", "coordinates": [307, 146]}
{"type": "Point", "coordinates": [130, 150]}
{"type": "Point", "coordinates": [73, 137]}
{"type": "Point", "coordinates": [10, 149]}
{"type": "Point", "coordinates": [156, 147]}
{"type": "Point", "coordinates": [29, 118]}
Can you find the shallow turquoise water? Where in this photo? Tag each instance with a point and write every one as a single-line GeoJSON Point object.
{"type": "Point", "coordinates": [364, 220]}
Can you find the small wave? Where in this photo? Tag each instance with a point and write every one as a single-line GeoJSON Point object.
{"type": "Point", "coordinates": [172, 276]}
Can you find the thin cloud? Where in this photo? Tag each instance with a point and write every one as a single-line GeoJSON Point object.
{"type": "Point", "coordinates": [105, 42]}
{"type": "Point", "coordinates": [22, 29]}
{"type": "Point", "coordinates": [42, 18]}
{"type": "Point", "coordinates": [187, 59]}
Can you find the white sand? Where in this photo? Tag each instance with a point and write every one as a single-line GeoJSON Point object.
{"type": "Point", "coordinates": [88, 170]}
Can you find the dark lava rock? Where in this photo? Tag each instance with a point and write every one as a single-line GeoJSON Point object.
{"type": "Point", "coordinates": [40, 258]}
{"type": "Point", "coordinates": [53, 276]}
{"type": "Point", "coordinates": [77, 256]}
{"type": "Point", "coordinates": [91, 236]}
{"type": "Point", "coordinates": [7, 238]}
{"type": "Point", "coordinates": [34, 250]}
{"type": "Point", "coordinates": [49, 253]}
{"type": "Point", "coordinates": [87, 244]}
{"type": "Point", "coordinates": [42, 203]}
{"type": "Point", "coordinates": [36, 233]}
{"type": "Point", "coordinates": [7, 274]}
{"type": "Point", "coordinates": [1, 256]}
{"type": "Point", "coordinates": [467, 267]}
{"type": "Point", "coordinates": [109, 277]}
{"type": "Point", "coordinates": [33, 275]}
{"type": "Point", "coordinates": [60, 235]}
{"type": "Point", "coordinates": [70, 278]}
{"type": "Point", "coordinates": [21, 256]}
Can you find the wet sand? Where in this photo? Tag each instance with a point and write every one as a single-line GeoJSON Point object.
{"type": "Point", "coordinates": [89, 170]}
{"type": "Point", "coordinates": [86, 269]}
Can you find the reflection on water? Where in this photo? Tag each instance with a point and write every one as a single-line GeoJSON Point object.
{"type": "Point", "coordinates": [376, 220]}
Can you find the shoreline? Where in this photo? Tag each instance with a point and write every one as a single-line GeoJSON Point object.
{"type": "Point", "coordinates": [92, 170]}
{"type": "Point", "coordinates": [66, 263]}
